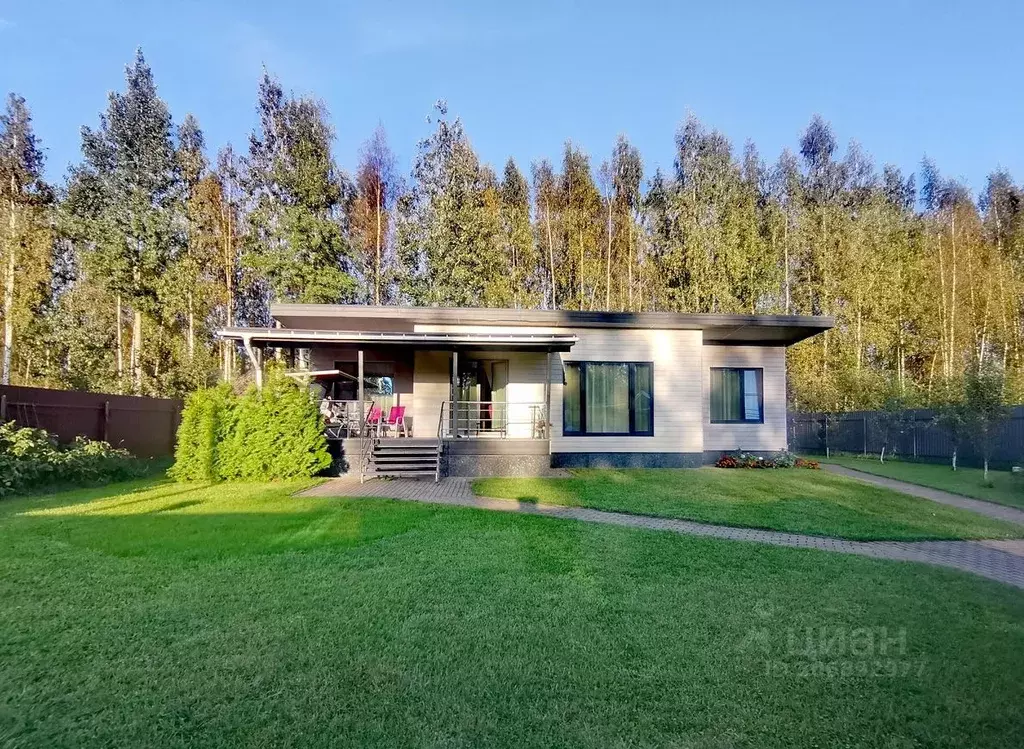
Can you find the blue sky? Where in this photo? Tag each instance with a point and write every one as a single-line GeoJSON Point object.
{"type": "Point", "coordinates": [904, 77]}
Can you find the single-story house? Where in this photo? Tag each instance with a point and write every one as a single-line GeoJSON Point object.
{"type": "Point", "coordinates": [517, 392]}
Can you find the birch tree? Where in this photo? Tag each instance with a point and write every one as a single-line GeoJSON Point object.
{"type": "Point", "coordinates": [25, 234]}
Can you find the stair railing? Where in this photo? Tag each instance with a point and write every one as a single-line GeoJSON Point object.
{"type": "Point", "coordinates": [440, 441]}
{"type": "Point", "coordinates": [366, 438]}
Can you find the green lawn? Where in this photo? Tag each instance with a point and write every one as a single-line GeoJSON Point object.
{"type": "Point", "coordinates": [178, 616]}
{"type": "Point", "coordinates": [1006, 488]}
{"type": "Point", "coordinates": [797, 500]}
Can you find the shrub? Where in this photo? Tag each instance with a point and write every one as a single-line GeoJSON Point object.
{"type": "Point", "coordinates": [32, 459]}
{"type": "Point", "coordinates": [205, 423]}
{"type": "Point", "coordinates": [783, 459]}
{"type": "Point", "coordinates": [804, 463]}
{"type": "Point", "coordinates": [276, 433]}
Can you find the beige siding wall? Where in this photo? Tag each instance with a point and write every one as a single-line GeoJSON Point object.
{"type": "Point", "coordinates": [525, 387]}
{"type": "Point", "coordinates": [431, 387]}
{"type": "Point", "coordinates": [676, 355]}
{"type": "Point", "coordinates": [771, 435]}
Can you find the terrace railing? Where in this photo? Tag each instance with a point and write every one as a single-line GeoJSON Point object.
{"type": "Point", "coordinates": [493, 419]}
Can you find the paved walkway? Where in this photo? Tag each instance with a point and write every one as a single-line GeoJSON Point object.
{"type": "Point", "coordinates": [998, 560]}
{"type": "Point", "coordinates": [991, 509]}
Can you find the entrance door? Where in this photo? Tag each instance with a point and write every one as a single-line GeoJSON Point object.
{"type": "Point", "coordinates": [499, 396]}
{"type": "Point", "coordinates": [482, 397]}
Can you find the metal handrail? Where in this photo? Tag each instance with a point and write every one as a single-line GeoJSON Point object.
{"type": "Point", "coordinates": [440, 442]}
{"type": "Point", "coordinates": [366, 446]}
{"type": "Point", "coordinates": [476, 418]}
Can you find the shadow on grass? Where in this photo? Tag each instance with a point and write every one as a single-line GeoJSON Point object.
{"type": "Point", "coordinates": [179, 530]}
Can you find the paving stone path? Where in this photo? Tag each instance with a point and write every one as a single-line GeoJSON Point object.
{"type": "Point", "coordinates": [991, 509]}
{"type": "Point", "coordinates": [997, 559]}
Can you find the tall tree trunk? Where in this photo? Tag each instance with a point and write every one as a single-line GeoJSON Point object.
{"type": "Point", "coordinates": [190, 335]}
{"type": "Point", "coordinates": [581, 269]}
{"type": "Point", "coordinates": [136, 354]}
{"type": "Point", "coordinates": [12, 249]}
{"type": "Point", "coordinates": [629, 250]}
{"type": "Point", "coordinates": [551, 253]}
{"type": "Point", "coordinates": [376, 270]}
{"type": "Point", "coordinates": [785, 262]}
{"type": "Point", "coordinates": [952, 298]}
{"type": "Point", "coordinates": [229, 301]}
{"type": "Point", "coordinates": [860, 334]}
{"type": "Point", "coordinates": [229, 278]}
{"type": "Point", "coordinates": [608, 264]}
{"type": "Point", "coordinates": [119, 314]}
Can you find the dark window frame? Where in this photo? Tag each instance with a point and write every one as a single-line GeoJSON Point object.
{"type": "Point", "coordinates": [582, 365]}
{"type": "Point", "coordinates": [743, 395]}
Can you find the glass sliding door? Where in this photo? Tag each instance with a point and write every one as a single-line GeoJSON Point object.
{"type": "Point", "coordinates": [607, 400]}
{"type": "Point", "coordinates": [499, 396]}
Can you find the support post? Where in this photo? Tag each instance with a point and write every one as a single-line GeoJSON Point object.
{"type": "Point", "coordinates": [547, 397]}
{"type": "Point", "coordinates": [257, 365]}
{"type": "Point", "coordinates": [3, 407]}
{"type": "Point", "coordinates": [362, 395]}
{"type": "Point", "coordinates": [454, 393]}
{"type": "Point", "coordinates": [106, 421]}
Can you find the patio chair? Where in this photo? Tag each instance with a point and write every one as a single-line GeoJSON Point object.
{"type": "Point", "coordinates": [396, 421]}
{"type": "Point", "coordinates": [333, 424]}
{"type": "Point", "coordinates": [373, 420]}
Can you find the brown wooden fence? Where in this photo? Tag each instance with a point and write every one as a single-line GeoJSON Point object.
{"type": "Point", "coordinates": [144, 426]}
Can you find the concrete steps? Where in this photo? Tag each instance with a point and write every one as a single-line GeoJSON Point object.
{"type": "Point", "coordinates": [403, 458]}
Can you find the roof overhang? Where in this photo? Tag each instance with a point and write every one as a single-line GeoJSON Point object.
{"type": "Point", "coordinates": [748, 330]}
{"type": "Point", "coordinates": [287, 337]}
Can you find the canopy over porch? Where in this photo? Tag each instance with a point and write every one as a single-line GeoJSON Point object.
{"type": "Point", "coordinates": [484, 416]}
{"type": "Point", "coordinates": [257, 339]}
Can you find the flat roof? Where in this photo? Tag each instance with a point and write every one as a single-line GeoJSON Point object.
{"type": "Point", "coordinates": [765, 330]}
{"type": "Point", "coordinates": [302, 338]}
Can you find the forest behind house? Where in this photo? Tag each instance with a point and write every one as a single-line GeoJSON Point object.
{"type": "Point", "coordinates": [116, 279]}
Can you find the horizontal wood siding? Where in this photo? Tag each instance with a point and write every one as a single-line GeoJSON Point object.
{"type": "Point", "coordinates": [676, 355]}
{"type": "Point", "coordinates": [771, 435]}
{"type": "Point", "coordinates": [431, 387]}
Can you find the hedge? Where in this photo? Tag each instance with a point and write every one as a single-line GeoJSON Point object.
{"type": "Point", "coordinates": [262, 435]}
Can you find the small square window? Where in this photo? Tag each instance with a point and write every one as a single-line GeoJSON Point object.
{"type": "Point", "coordinates": [737, 396]}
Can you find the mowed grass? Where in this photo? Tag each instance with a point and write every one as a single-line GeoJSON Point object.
{"type": "Point", "coordinates": [796, 500]}
{"type": "Point", "coordinates": [1006, 488]}
{"type": "Point", "coordinates": [233, 615]}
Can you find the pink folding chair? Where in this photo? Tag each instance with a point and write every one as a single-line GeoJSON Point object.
{"type": "Point", "coordinates": [373, 419]}
{"type": "Point", "coordinates": [396, 421]}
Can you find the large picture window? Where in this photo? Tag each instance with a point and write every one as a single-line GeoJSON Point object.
{"type": "Point", "coordinates": [608, 398]}
{"type": "Point", "coordinates": [737, 396]}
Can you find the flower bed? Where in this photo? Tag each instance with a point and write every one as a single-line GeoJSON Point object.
{"type": "Point", "coordinates": [781, 459]}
